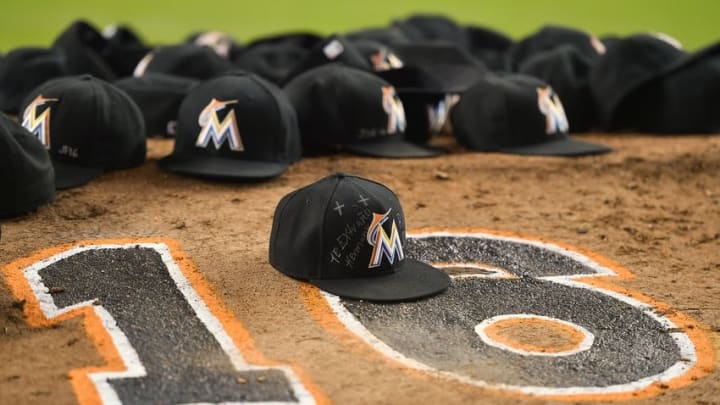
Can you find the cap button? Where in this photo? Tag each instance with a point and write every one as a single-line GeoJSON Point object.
{"type": "Point", "coordinates": [340, 175]}
{"type": "Point", "coordinates": [86, 77]}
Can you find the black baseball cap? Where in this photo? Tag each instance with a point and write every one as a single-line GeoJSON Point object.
{"type": "Point", "coordinates": [550, 37]}
{"type": "Point", "coordinates": [274, 57]}
{"type": "Point", "coordinates": [272, 61]}
{"type": "Point", "coordinates": [427, 115]}
{"type": "Point", "coordinates": [381, 57]}
{"type": "Point", "coordinates": [341, 108]}
{"type": "Point", "coordinates": [431, 27]}
{"type": "Point", "coordinates": [235, 127]}
{"type": "Point", "coordinates": [125, 49]}
{"type": "Point", "coordinates": [567, 70]}
{"type": "Point", "coordinates": [433, 68]}
{"type": "Point", "coordinates": [346, 235]}
{"type": "Point", "coordinates": [333, 49]}
{"type": "Point", "coordinates": [516, 114]}
{"type": "Point", "coordinates": [388, 36]}
{"type": "Point", "coordinates": [193, 61]}
{"type": "Point", "coordinates": [488, 45]}
{"type": "Point", "coordinates": [85, 50]}
{"type": "Point", "coordinates": [304, 39]}
{"type": "Point", "coordinates": [87, 124]}
{"type": "Point", "coordinates": [432, 74]}
{"type": "Point", "coordinates": [158, 96]}
{"type": "Point", "coordinates": [122, 34]}
{"type": "Point", "coordinates": [485, 38]}
{"type": "Point", "coordinates": [27, 179]}
{"type": "Point", "coordinates": [421, 93]}
{"type": "Point", "coordinates": [222, 43]}
{"type": "Point", "coordinates": [628, 64]}
{"type": "Point", "coordinates": [23, 69]}
{"type": "Point", "coordinates": [683, 99]}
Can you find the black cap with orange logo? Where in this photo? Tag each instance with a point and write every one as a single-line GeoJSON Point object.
{"type": "Point", "coordinates": [516, 114]}
{"type": "Point", "coordinates": [87, 124]}
{"type": "Point", "coordinates": [346, 235]}
{"type": "Point", "coordinates": [344, 109]}
{"type": "Point", "coordinates": [27, 176]}
{"type": "Point", "coordinates": [235, 127]}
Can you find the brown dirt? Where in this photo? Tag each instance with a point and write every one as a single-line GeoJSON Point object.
{"type": "Point", "coordinates": [537, 337]}
{"type": "Point", "coordinates": [652, 206]}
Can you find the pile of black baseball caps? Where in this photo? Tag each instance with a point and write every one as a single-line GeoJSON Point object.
{"type": "Point", "coordinates": [247, 111]}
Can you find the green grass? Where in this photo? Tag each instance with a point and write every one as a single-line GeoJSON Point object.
{"type": "Point", "coordinates": [22, 23]}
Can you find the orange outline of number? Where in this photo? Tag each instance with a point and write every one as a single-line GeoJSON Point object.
{"type": "Point", "coordinates": [323, 314]}
{"type": "Point", "coordinates": [82, 384]}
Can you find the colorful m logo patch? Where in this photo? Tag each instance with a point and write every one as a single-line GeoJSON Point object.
{"type": "Point", "coordinates": [216, 130]}
{"type": "Point", "coordinates": [384, 245]}
{"type": "Point", "coordinates": [38, 123]}
{"type": "Point", "coordinates": [394, 109]}
{"type": "Point", "coordinates": [550, 105]}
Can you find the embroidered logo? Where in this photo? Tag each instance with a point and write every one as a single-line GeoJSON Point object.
{"type": "Point", "coordinates": [38, 123]}
{"type": "Point", "coordinates": [383, 245]}
{"type": "Point", "coordinates": [394, 109]}
{"type": "Point", "coordinates": [385, 60]}
{"type": "Point", "coordinates": [550, 105]}
{"type": "Point", "coordinates": [216, 130]}
{"type": "Point", "coordinates": [142, 66]}
{"type": "Point", "coordinates": [333, 49]}
{"type": "Point", "coordinates": [597, 45]}
{"type": "Point", "coordinates": [218, 41]}
{"type": "Point", "coordinates": [439, 113]}
{"type": "Point", "coordinates": [674, 42]}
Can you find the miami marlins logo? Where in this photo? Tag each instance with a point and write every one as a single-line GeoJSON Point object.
{"type": "Point", "coordinates": [218, 41]}
{"type": "Point", "coordinates": [439, 113]}
{"type": "Point", "coordinates": [394, 109]}
{"type": "Point", "coordinates": [142, 66]}
{"type": "Point", "coordinates": [389, 246]}
{"type": "Point", "coordinates": [38, 123]}
{"type": "Point", "coordinates": [552, 108]}
{"type": "Point", "coordinates": [597, 45]}
{"type": "Point", "coordinates": [385, 60]}
{"type": "Point", "coordinates": [218, 131]}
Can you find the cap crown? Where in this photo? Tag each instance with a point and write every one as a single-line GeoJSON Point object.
{"type": "Point", "coordinates": [682, 101]}
{"type": "Point", "coordinates": [271, 60]}
{"type": "Point", "coordinates": [334, 49]}
{"type": "Point", "coordinates": [27, 178]}
{"type": "Point", "coordinates": [124, 49]}
{"type": "Point", "coordinates": [550, 37]}
{"type": "Point", "coordinates": [628, 64]}
{"type": "Point", "coordinates": [337, 105]}
{"type": "Point", "coordinates": [23, 69]}
{"type": "Point", "coordinates": [239, 116]}
{"type": "Point", "coordinates": [508, 111]}
{"type": "Point", "coordinates": [199, 62]}
{"type": "Point", "coordinates": [431, 27]}
{"type": "Point", "coordinates": [567, 70]}
{"type": "Point", "coordinates": [338, 227]}
{"type": "Point", "coordinates": [387, 36]}
{"type": "Point", "coordinates": [86, 121]}
{"type": "Point", "coordinates": [158, 96]}
{"type": "Point", "coordinates": [85, 50]}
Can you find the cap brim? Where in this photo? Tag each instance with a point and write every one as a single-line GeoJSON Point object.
{"type": "Point", "coordinates": [71, 176]}
{"type": "Point", "coordinates": [393, 149]}
{"type": "Point", "coordinates": [559, 147]}
{"type": "Point", "coordinates": [412, 280]}
{"type": "Point", "coordinates": [222, 168]}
